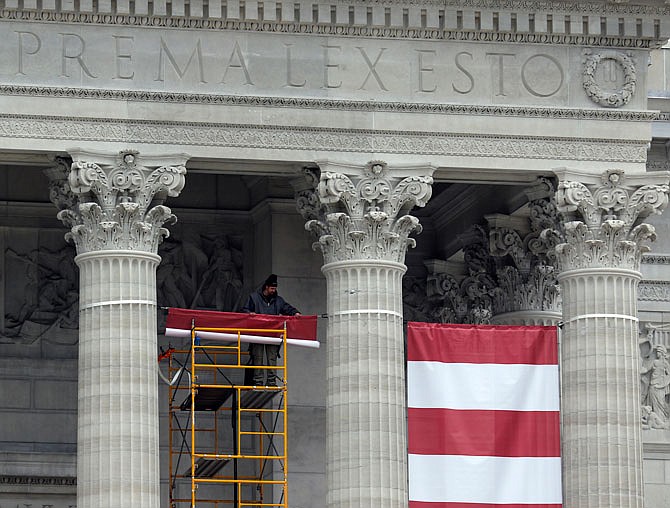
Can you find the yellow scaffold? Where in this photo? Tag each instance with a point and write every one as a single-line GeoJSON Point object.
{"type": "Point", "coordinates": [227, 438]}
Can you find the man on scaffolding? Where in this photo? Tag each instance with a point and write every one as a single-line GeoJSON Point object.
{"type": "Point", "coordinates": [267, 301]}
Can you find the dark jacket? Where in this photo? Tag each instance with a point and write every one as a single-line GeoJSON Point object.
{"type": "Point", "coordinates": [275, 305]}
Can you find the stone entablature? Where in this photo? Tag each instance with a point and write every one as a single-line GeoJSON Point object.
{"type": "Point", "coordinates": [119, 57]}
{"type": "Point", "coordinates": [235, 136]}
{"type": "Point", "coordinates": [583, 23]}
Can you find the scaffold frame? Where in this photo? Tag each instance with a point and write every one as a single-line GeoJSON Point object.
{"type": "Point", "coordinates": [213, 380]}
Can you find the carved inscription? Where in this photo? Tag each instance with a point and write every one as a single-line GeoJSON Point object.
{"type": "Point", "coordinates": [227, 62]}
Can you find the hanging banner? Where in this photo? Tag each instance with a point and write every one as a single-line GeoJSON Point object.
{"type": "Point", "coordinates": [483, 416]}
{"type": "Point", "coordinates": [300, 330]}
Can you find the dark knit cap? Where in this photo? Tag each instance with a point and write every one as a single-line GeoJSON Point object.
{"type": "Point", "coordinates": [270, 281]}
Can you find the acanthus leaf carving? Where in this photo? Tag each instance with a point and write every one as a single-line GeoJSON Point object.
{"type": "Point", "coordinates": [306, 199]}
{"type": "Point", "coordinates": [60, 193]}
{"type": "Point", "coordinates": [603, 226]}
{"type": "Point", "coordinates": [507, 242]}
{"type": "Point", "coordinates": [120, 201]}
{"type": "Point", "coordinates": [508, 270]}
{"type": "Point", "coordinates": [364, 217]}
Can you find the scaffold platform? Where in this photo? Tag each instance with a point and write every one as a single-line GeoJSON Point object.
{"type": "Point", "coordinates": [227, 439]}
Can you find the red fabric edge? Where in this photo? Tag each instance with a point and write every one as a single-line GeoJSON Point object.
{"type": "Point", "coordinates": [297, 327]}
{"type": "Point", "coordinates": [532, 345]}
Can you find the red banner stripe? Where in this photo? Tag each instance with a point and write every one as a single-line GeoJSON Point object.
{"type": "Point", "coordinates": [297, 327]}
{"type": "Point", "coordinates": [482, 344]}
{"type": "Point", "coordinates": [483, 433]}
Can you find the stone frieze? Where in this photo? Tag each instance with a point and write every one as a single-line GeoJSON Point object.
{"type": "Point", "coordinates": [658, 259]}
{"type": "Point", "coordinates": [654, 291]}
{"type": "Point", "coordinates": [321, 139]}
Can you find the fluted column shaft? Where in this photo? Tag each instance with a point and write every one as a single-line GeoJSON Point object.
{"type": "Point", "coordinates": [117, 438]}
{"type": "Point", "coordinates": [361, 217]}
{"type": "Point", "coordinates": [599, 248]}
{"type": "Point", "coordinates": [366, 438]}
{"type": "Point", "coordinates": [113, 206]}
{"type": "Point", "coordinates": [602, 444]}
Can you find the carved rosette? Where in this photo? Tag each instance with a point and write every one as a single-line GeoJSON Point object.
{"type": "Point", "coordinates": [366, 217]}
{"type": "Point", "coordinates": [120, 201]}
{"type": "Point", "coordinates": [603, 226]}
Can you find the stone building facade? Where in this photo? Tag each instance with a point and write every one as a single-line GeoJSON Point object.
{"type": "Point", "coordinates": [484, 161]}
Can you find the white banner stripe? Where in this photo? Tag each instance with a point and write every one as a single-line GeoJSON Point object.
{"type": "Point", "coordinates": [483, 386]}
{"type": "Point", "coordinates": [496, 480]}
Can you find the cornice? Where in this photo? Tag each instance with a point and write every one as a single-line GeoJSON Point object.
{"type": "Point", "coordinates": [464, 20]}
{"type": "Point", "coordinates": [320, 139]}
{"type": "Point", "coordinates": [334, 104]}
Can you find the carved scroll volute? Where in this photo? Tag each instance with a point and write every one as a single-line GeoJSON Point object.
{"type": "Point", "coordinates": [120, 199]}
{"type": "Point", "coordinates": [603, 217]}
{"type": "Point", "coordinates": [362, 213]}
{"type": "Point", "coordinates": [60, 193]}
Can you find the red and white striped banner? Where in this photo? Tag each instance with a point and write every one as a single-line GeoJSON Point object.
{"type": "Point", "coordinates": [483, 416]}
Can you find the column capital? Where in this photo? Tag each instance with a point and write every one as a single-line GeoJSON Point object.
{"type": "Point", "coordinates": [602, 217]}
{"type": "Point", "coordinates": [362, 212]}
{"type": "Point", "coordinates": [60, 193]}
{"type": "Point", "coordinates": [120, 199]}
{"type": "Point", "coordinates": [506, 272]}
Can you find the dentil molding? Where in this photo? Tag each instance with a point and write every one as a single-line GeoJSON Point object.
{"type": "Point", "coordinates": [542, 22]}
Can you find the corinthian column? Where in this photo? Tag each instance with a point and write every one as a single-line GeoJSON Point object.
{"type": "Point", "coordinates": [598, 255]}
{"type": "Point", "coordinates": [363, 227]}
{"type": "Point", "coordinates": [116, 225]}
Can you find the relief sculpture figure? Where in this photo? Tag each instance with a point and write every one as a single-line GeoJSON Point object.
{"type": "Point", "coordinates": [656, 380]}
